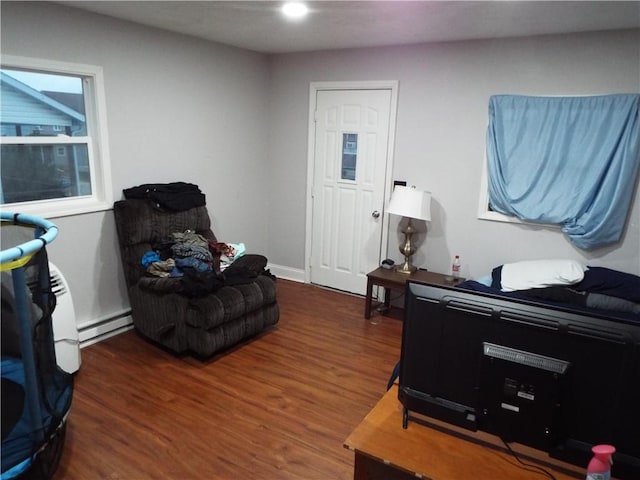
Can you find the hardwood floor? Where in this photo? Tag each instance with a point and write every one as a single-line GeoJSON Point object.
{"type": "Point", "coordinates": [278, 407]}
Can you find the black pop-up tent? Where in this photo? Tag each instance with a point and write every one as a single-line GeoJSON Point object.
{"type": "Point", "coordinates": [36, 394]}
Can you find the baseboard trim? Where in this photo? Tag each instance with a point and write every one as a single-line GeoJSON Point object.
{"type": "Point", "coordinates": [97, 330]}
{"type": "Point", "coordinates": [287, 273]}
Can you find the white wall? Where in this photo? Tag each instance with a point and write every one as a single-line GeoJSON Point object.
{"type": "Point", "coordinates": [235, 122]}
{"type": "Point", "coordinates": [179, 109]}
{"type": "Point", "coordinates": [442, 116]}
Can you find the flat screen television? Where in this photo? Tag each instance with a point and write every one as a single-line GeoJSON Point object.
{"type": "Point", "coordinates": [551, 378]}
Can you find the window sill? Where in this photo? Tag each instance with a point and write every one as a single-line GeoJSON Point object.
{"type": "Point", "coordinates": [499, 217]}
{"type": "Point", "coordinates": [62, 209]}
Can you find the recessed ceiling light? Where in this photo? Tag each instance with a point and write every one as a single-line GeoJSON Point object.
{"type": "Point", "coordinates": [294, 9]}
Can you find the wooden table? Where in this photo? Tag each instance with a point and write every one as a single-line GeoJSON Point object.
{"type": "Point", "coordinates": [390, 279]}
{"type": "Point", "coordinates": [384, 450]}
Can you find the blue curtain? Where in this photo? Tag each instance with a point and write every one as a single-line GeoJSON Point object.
{"type": "Point", "coordinates": [571, 161]}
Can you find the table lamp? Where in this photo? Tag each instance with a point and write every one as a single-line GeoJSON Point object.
{"type": "Point", "coordinates": [414, 204]}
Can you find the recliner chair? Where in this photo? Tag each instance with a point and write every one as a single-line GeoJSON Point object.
{"type": "Point", "coordinates": [165, 311]}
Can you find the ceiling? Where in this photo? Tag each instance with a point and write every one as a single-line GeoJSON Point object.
{"type": "Point", "coordinates": [258, 26]}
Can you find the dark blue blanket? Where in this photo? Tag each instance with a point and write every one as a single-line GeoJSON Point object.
{"type": "Point", "coordinates": [521, 295]}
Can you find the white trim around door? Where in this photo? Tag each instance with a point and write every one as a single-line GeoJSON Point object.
{"type": "Point", "coordinates": [348, 85]}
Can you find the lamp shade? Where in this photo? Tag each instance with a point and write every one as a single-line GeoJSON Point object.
{"type": "Point", "coordinates": [410, 202]}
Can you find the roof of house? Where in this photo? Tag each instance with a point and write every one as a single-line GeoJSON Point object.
{"type": "Point", "coordinates": [20, 100]}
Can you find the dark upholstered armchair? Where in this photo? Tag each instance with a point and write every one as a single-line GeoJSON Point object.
{"type": "Point", "coordinates": [165, 311]}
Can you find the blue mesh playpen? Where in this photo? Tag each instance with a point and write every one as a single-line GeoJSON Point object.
{"type": "Point", "coordinates": [36, 394]}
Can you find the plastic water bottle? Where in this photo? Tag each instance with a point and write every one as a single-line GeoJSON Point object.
{"type": "Point", "coordinates": [600, 465]}
{"type": "Point", "coordinates": [455, 267]}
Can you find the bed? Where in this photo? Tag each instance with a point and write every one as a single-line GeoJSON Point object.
{"type": "Point", "coordinates": [566, 284]}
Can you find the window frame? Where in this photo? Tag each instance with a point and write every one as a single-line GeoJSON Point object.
{"type": "Point", "coordinates": [96, 140]}
{"type": "Point", "coordinates": [484, 213]}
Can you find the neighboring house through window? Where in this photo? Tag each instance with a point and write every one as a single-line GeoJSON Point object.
{"type": "Point", "coordinates": [54, 152]}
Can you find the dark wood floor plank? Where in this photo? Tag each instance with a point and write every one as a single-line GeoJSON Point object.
{"type": "Point", "coordinates": [279, 406]}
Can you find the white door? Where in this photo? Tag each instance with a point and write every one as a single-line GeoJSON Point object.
{"type": "Point", "coordinates": [349, 168]}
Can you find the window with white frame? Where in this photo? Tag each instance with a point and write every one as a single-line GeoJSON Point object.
{"type": "Point", "coordinates": [569, 162]}
{"type": "Point", "coordinates": [485, 212]}
{"type": "Point", "coordinates": [54, 153]}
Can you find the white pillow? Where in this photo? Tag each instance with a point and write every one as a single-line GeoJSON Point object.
{"type": "Point", "coordinates": [540, 274]}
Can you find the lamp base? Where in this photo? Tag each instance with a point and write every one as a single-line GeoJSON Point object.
{"type": "Point", "coordinates": [406, 268]}
{"type": "Point", "coordinates": [407, 249]}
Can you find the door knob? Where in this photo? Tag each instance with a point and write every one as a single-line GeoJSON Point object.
{"type": "Point", "coordinates": [375, 214]}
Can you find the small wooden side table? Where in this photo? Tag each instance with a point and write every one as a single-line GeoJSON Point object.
{"type": "Point", "coordinates": [389, 279]}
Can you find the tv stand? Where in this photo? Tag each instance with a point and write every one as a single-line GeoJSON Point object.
{"type": "Point", "coordinates": [432, 449]}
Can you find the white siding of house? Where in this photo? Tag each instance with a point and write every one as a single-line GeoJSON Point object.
{"type": "Point", "coordinates": [21, 109]}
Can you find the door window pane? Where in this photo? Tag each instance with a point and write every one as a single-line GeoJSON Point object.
{"type": "Point", "coordinates": [349, 155]}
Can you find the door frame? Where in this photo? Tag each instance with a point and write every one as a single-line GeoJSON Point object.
{"type": "Point", "coordinates": [314, 87]}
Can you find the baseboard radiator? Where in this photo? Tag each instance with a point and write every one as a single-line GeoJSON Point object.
{"type": "Point", "coordinates": [100, 329]}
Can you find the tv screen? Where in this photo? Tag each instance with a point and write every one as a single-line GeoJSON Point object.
{"type": "Point", "coordinates": [550, 378]}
